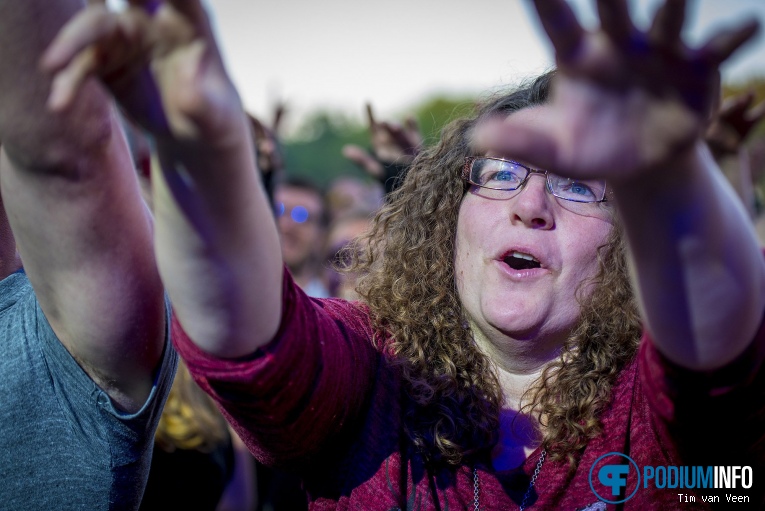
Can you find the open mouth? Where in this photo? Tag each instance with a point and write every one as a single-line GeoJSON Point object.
{"type": "Point", "coordinates": [520, 261]}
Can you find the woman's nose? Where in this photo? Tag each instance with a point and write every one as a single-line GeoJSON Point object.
{"type": "Point", "coordinates": [532, 205]}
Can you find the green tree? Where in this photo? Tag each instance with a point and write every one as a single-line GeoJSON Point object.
{"type": "Point", "coordinates": [315, 151]}
{"type": "Point", "coordinates": [755, 85]}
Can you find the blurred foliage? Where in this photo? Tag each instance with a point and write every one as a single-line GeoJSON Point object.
{"type": "Point", "coordinates": [755, 85]}
{"type": "Point", "coordinates": [314, 152]}
{"type": "Point", "coordinates": [437, 112]}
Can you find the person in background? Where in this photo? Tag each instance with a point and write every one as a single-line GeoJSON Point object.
{"type": "Point", "coordinates": [301, 216]}
{"type": "Point", "coordinates": [352, 196]}
{"type": "Point", "coordinates": [497, 353]}
{"type": "Point", "coordinates": [731, 139]}
{"type": "Point", "coordinates": [85, 357]}
{"type": "Point", "coordinates": [198, 463]}
{"type": "Point", "coordinates": [343, 240]}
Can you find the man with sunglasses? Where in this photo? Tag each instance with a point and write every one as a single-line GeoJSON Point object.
{"type": "Point", "coordinates": [301, 218]}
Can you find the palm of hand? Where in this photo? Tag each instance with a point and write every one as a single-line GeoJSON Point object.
{"type": "Point", "coordinates": [623, 111]}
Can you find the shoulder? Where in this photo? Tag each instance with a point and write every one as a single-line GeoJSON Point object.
{"type": "Point", "coordinates": [354, 315]}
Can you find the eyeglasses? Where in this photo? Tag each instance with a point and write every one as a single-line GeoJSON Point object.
{"type": "Point", "coordinates": [299, 214]}
{"type": "Point", "coordinates": [507, 175]}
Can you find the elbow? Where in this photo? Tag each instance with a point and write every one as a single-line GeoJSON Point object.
{"type": "Point", "coordinates": [67, 148]}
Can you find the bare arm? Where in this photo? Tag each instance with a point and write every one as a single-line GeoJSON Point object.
{"type": "Point", "coordinates": [217, 242]}
{"type": "Point", "coordinates": [71, 196]}
{"type": "Point", "coordinates": [633, 108]}
{"type": "Point", "coordinates": [698, 266]}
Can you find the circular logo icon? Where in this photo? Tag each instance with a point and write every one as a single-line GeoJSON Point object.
{"type": "Point", "coordinates": [609, 478]}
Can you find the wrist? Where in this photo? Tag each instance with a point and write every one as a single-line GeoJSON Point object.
{"type": "Point", "coordinates": [210, 138]}
{"type": "Point", "coordinates": [672, 174]}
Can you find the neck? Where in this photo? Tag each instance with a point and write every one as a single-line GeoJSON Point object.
{"type": "Point", "coordinates": [520, 364]}
{"type": "Point", "coordinates": [519, 360]}
{"type": "Point", "coordinates": [519, 432]}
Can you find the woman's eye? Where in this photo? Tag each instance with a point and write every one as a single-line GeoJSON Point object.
{"type": "Point", "coordinates": [504, 175]}
{"type": "Point", "coordinates": [579, 188]}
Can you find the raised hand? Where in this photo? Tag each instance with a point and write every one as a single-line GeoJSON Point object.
{"type": "Point", "coordinates": [268, 150]}
{"type": "Point", "coordinates": [625, 101]}
{"type": "Point", "coordinates": [733, 122]}
{"type": "Point", "coordinates": [392, 143]}
{"type": "Point", "coordinates": [158, 59]}
{"type": "Point", "coordinates": [270, 157]}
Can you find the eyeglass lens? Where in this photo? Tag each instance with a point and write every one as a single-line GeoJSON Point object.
{"type": "Point", "coordinates": [299, 214]}
{"type": "Point", "coordinates": [508, 175]}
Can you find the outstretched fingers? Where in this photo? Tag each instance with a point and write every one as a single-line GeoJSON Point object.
{"type": "Point", "coordinates": [68, 81]}
{"type": "Point", "coordinates": [363, 159]}
{"type": "Point", "coordinates": [373, 125]}
{"type": "Point", "coordinates": [668, 23]}
{"type": "Point", "coordinates": [738, 114]}
{"type": "Point", "coordinates": [88, 27]}
{"type": "Point", "coordinates": [279, 112]}
{"type": "Point", "coordinates": [507, 138]}
{"type": "Point", "coordinates": [562, 27]}
{"type": "Point", "coordinates": [72, 56]}
{"type": "Point", "coordinates": [95, 42]}
{"type": "Point", "coordinates": [615, 20]}
{"type": "Point", "coordinates": [721, 45]}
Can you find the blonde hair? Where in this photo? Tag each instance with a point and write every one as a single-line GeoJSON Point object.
{"type": "Point", "coordinates": [190, 419]}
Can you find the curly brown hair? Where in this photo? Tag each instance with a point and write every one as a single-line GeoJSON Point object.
{"type": "Point", "coordinates": [406, 276]}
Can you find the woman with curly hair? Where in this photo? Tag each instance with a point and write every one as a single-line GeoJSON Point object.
{"type": "Point", "coordinates": [495, 360]}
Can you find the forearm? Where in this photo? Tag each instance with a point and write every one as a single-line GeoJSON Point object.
{"type": "Point", "coordinates": [698, 268]}
{"type": "Point", "coordinates": [217, 244]}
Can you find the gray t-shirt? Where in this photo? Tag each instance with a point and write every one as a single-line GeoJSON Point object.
{"type": "Point", "coordinates": [63, 445]}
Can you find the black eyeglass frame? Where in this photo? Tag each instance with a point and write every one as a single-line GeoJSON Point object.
{"type": "Point", "coordinates": [469, 160]}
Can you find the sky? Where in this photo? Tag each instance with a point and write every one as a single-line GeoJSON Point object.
{"type": "Point", "coordinates": [340, 54]}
